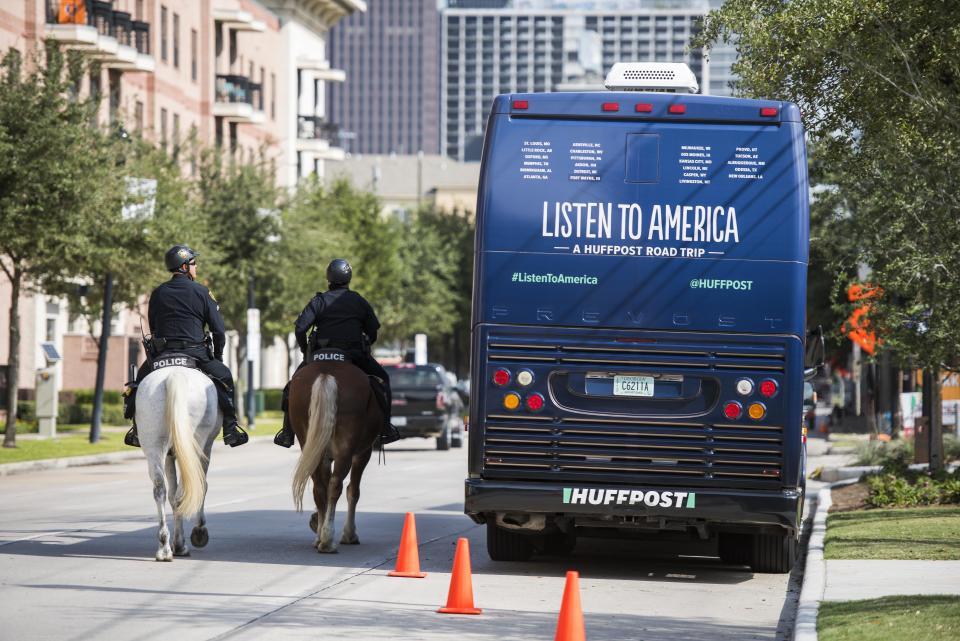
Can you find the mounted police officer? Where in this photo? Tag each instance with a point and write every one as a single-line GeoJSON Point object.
{"type": "Point", "coordinates": [179, 309]}
{"type": "Point", "coordinates": [341, 319]}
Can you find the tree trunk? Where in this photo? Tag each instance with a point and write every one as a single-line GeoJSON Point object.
{"type": "Point", "coordinates": [13, 382]}
{"type": "Point", "coordinates": [936, 421]}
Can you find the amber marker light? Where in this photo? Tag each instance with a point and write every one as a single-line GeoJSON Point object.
{"type": "Point", "coordinates": [756, 411]}
{"type": "Point", "coordinates": [511, 400]}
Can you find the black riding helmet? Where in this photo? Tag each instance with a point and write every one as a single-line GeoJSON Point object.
{"type": "Point", "coordinates": [339, 272]}
{"type": "Point", "coordinates": [177, 255]}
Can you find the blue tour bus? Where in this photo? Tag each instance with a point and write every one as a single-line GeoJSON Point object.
{"type": "Point", "coordinates": [638, 341]}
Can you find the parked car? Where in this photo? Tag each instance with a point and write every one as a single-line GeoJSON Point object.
{"type": "Point", "coordinates": [426, 404]}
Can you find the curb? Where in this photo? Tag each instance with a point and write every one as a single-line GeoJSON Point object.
{"type": "Point", "coordinates": [107, 458]}
{"type": "Point", "coordinates": [815, 571]}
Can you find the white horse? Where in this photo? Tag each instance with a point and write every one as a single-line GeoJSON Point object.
{"type": "Point", "coordinates": [177, 421]}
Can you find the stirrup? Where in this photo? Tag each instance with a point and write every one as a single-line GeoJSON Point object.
{"type": "Point", "coordinates": [131, 437]}
{"type": "Point", "coordinates": [389, 434]}
{"type": "Point", "coordinates": [285, 437]}
{"type": "Point", "coordinates": [233, 435]}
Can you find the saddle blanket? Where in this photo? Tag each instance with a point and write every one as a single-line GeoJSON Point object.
{"type": "Point", "coordinates": [328, 355]}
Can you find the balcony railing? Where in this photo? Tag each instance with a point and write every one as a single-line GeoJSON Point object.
{"type": "Point", "coordinates": [106, 22]}
{"type": "Point", "coordinates": [239, 89]}
{"type": "Point", "coordinates": [316, 128]}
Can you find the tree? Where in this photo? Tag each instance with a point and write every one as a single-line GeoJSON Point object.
{"type": "Point", "coordinates": [51, 181]}
{"type": "Point", "coordinates": [878, 84]}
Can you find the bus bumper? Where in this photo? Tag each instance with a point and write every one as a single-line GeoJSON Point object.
{"type": "Point", "coordinates": [582, 504]}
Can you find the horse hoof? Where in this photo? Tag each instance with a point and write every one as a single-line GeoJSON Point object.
{"type": "Point", "coordinates": [199, 537]}
{"type": "Point", "coordinates": [327, 549]}
{"type": "Point", "coordinates": [314, 521]}
{"type": "Point", "coordinates": [164, 555]}
{"type": "Point", "coordinates": [184, 551]}
{"type": "Point", "coordinates": [354, 540]}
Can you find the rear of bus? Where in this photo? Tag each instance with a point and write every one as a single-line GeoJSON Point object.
{"type": "Point", "coordinates": [638, 323]}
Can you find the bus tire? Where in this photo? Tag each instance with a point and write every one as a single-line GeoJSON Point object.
{"type": "Point", "coordinates": [735, 548]}
{"type": "Point", "coordinates": [774, 553]}
{"type": "Point", "coordinates": [443, 441]}
{"type": "Point", "coordinates": [503, 545]}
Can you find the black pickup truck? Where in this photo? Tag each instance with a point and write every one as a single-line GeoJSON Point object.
{"type": "Point", "coordinates": [425, 404]}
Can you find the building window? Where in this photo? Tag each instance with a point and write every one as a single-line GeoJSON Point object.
{"type": "Point", "coordinates": [138, 116]}
{"type": "Point", "coordinates": [273, 96]}
{"type": "Point", "coordinates": [193, 55]}
{"type": "Point", "coordinates": [176, 136]}
{"type": "Point", "coordinates": [163, 129]}
{"type": "Point", "coordinates": [176, 40]}
{"type": "Point", "coordinates": [114, 79]}
{"type": "Point", "coordinates": [263, 82]}
{"type": "Point", "coordinates": [138, 11]}
{"type": "Point", "coordinates": [163, 33]}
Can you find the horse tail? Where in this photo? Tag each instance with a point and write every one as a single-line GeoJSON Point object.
{"type": "Point", "coordinates": [322, 419]}
{"type": "Point", "coordinates": [192, 487]}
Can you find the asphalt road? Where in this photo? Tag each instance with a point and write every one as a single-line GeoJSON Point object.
{"type": "Point", "coordinates": [77, 547]}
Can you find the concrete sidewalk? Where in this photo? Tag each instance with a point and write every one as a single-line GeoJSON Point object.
{"type": "Point", "coordinates": [849, 580]}
{"type": "Point", "coordinates": [854, 580]}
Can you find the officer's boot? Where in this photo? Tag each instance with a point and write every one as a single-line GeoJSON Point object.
{"type": "Point", "coordinates": [233, 434]}
{"type": "Point", "coordinates": [388, 433]}
{"type": "Point", "coordinates": [130, 411]}
{"type": "Point", "coordinates": [285, 437]}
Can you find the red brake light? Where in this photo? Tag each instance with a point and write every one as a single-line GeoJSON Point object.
{"type": "Point", "coordinates": [611, 106]}
{"type": "Point", "coordinates": [643, 107]}
{"type": "Point", "coordinates": [535, 402]}
{"type": "Point", "coordinates": [501, 377]}
{"type": "Point", "coordinates": [677, 109]}
{"type": "Point", "coordinates": [769, 112]}
{"type": "Point", "coordinates": [768, 388]}
{"type": "Point", "coordinates": [732, 410]}
{"type": "Point", "coordinates": [520, 104]}
{"type": "Point", "coordinates": [441, 401]}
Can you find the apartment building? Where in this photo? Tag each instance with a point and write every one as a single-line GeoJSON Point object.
{"type": "Point", "coordinates": [246, 76]}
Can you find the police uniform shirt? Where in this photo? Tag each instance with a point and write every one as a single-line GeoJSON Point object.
{"type": "Point", "coordinates": [341, 315]}
{"type": "Point", "coordinates": [179, 309]}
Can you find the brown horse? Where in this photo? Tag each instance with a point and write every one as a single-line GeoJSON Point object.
{"type": "Point", "coordinates": [337, 419]}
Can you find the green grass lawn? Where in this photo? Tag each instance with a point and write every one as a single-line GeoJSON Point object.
{"type": "Point", "coordinates": [73, 440]}
{"type": "Point", "coordinates": [66, 444]}
{"type": "Point", "coordinates": [926, 533]}
{"type": "Point", "coordinates": [892, 618]}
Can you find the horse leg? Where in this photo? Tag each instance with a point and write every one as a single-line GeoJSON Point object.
{"type": "Point", "coordinates": [199, 535]}
{"type": "Point", "coordinates": [179, 545]}
{"type": "Point", "coordinates": [341, 468]}
{"type": "Point", "coordinates": [320, 500]}
{"type": "Point", "coordinates": [164, 553]}
{"type": "Point", "coordinates": [353, 496]}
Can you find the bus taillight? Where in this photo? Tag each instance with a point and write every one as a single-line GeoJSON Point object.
{"type": "Point", "coordinates": [732, 410]}
{"type": "Point", "coordinates": [501, 377]}
{"type": "Point", "coordinates": [535, 402]}
{"type": "Point", "coordinates": [768, 388]}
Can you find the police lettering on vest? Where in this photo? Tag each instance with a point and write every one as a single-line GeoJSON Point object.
{"type": "Point", "coordinates": [181, 361]}
{"type": "Point", "coordinates": [329, 356]}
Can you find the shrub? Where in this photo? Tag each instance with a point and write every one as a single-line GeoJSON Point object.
{"type": "Point", "coordinates": [85, 396]}
{"type": "Point", "coordinates": [896, 453]}
{"type": "Point", "coordinates": [80, 413]}
{"type": "Point", "coordinates": [272, 398]}
{"type": "Point", "coordinates": [27, 411]}
{"type": "Point", "coordinates": [951, 447]}
{"type": "Point", "coordinates": [906, 488]}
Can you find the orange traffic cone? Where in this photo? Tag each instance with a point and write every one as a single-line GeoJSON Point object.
{"type": "Point", "coordinates": [570, 623]}
{"type": "Point", "coordinates": [460, 597]}
{"type": "Point", "coordinates": [408, 559]}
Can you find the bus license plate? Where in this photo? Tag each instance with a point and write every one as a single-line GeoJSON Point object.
{"type": "Point", "coordinates": [633, 386]}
